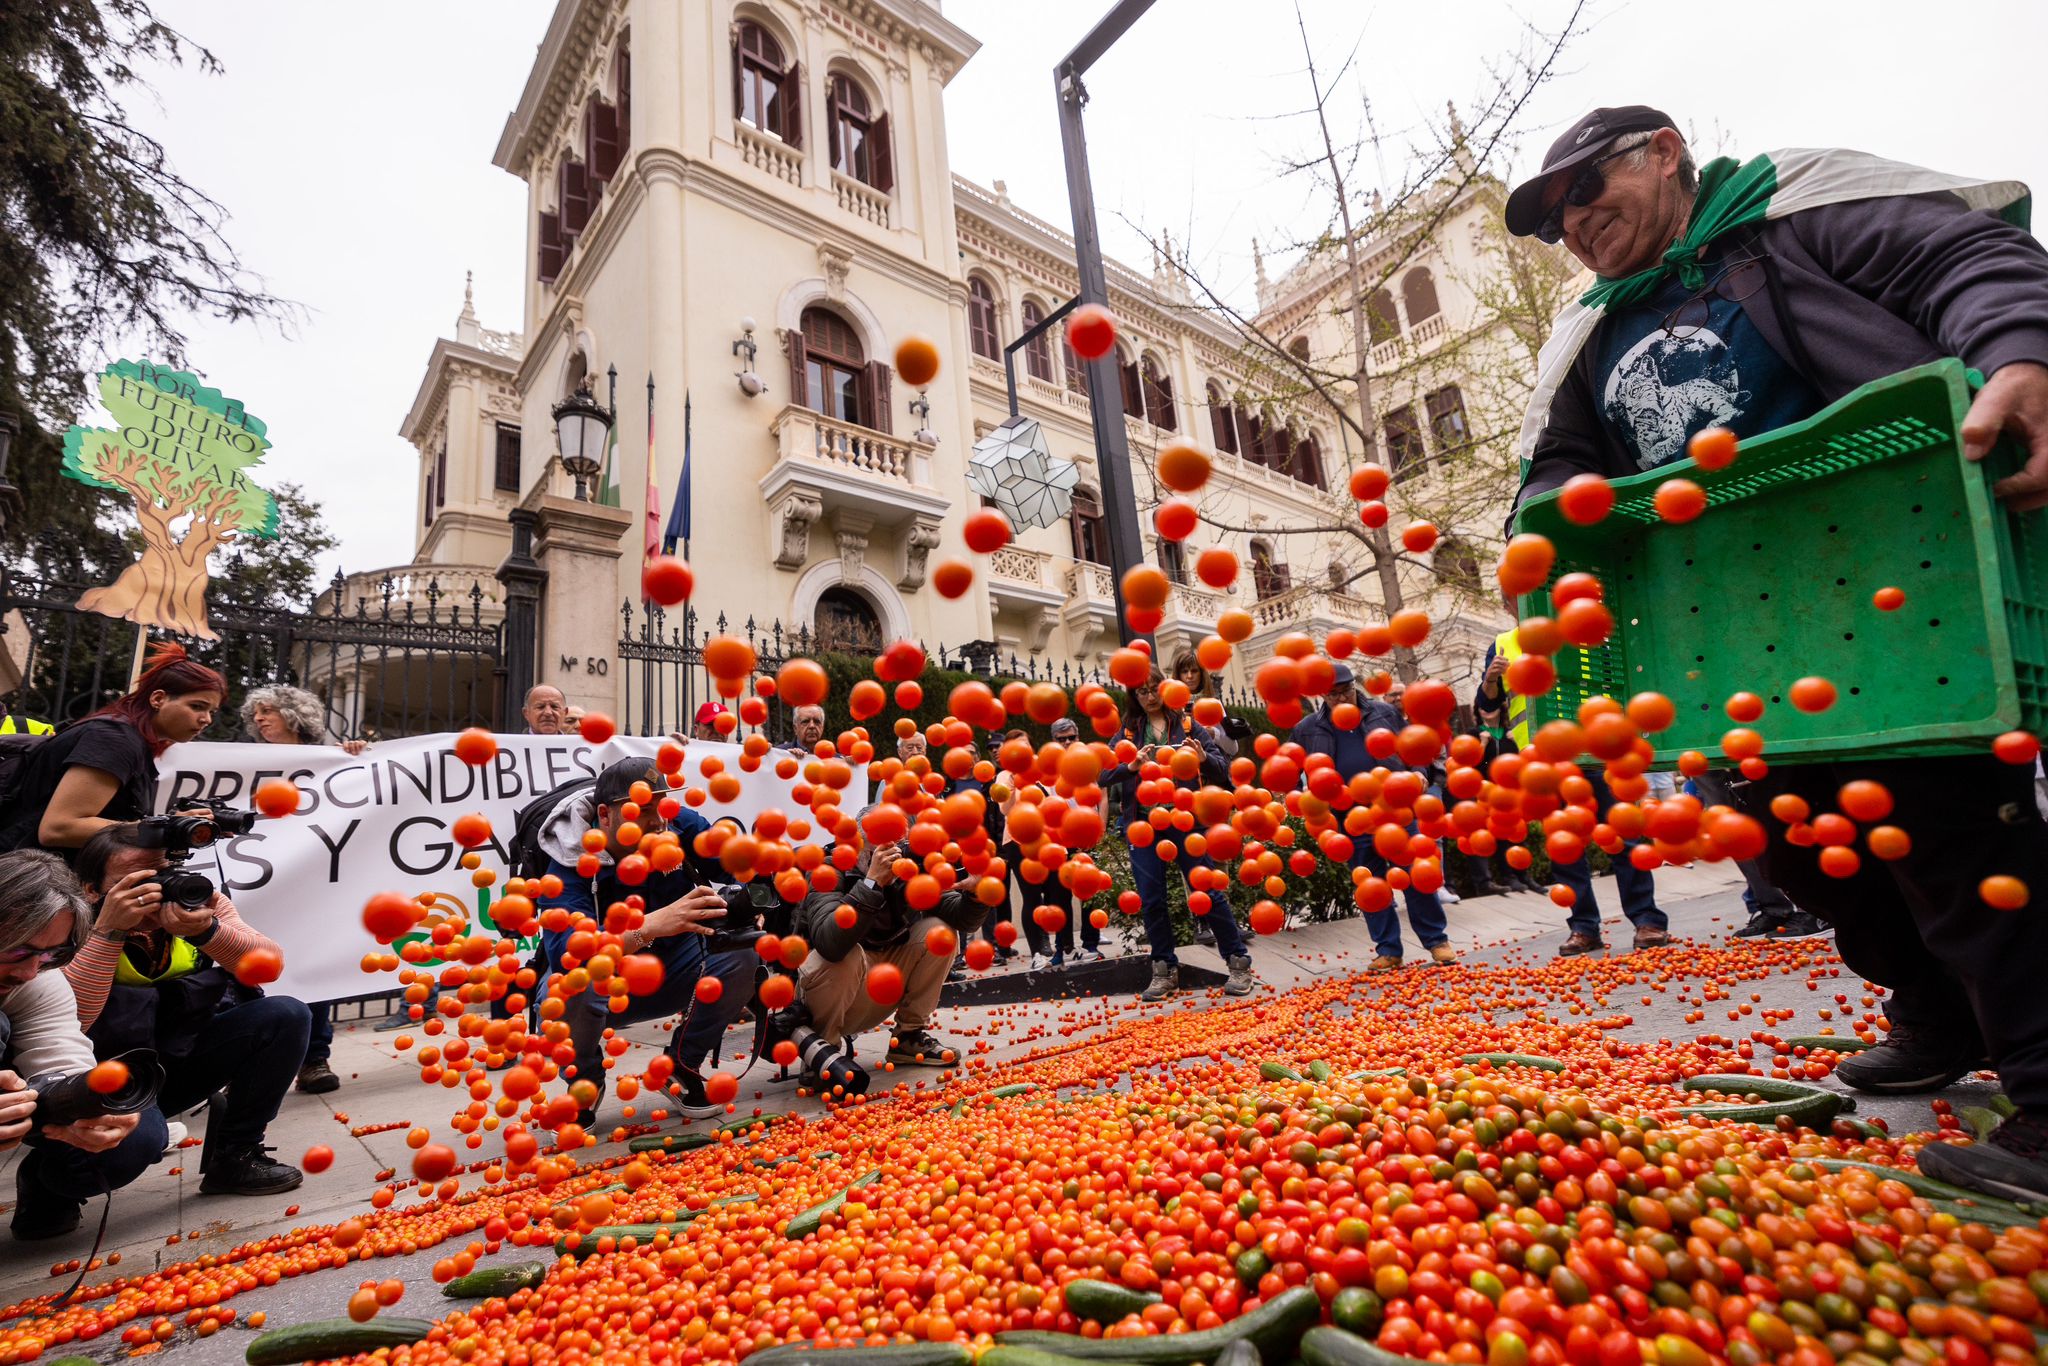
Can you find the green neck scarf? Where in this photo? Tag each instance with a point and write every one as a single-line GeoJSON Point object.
{"type": "Point", "coordinates": [1731, 194]}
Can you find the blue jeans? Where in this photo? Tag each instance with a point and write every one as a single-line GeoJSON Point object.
{"type": "Point", "coordinates": [320, 1037]}
{"type": "Point", "coordinates": [255, 1050]}
{"type": "Point", "coordinates": [73, 1174]}
{"type": "Point", "coordinates": [684, 960]}
{"type": "Point", "coordinates": [1425, 911]}
{"type": "Point", "coordinates": [1638, 888]}
{"type": "Point", "coordinates": [1148, 870]}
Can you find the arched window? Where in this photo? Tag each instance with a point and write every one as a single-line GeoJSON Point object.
{"type": "Point", "coordinates": [833, 377]}
{"type": "Point", "coordinates": [1038, 351]}
{"type": "Point", "coordinates": [1174, 560]}
{"type": "Point", "coordinates": [1418, 292]}
{"type": "Point", "coordinates": [845, 620]}
{"type": "Point", "coordinates": [1158, 394]}
{"type": "Point", "coordinates": [1222, 422]}
{"type": "Point", "coordinates": [1076, 371]}
{"type": "Point", "coordinates": [1308, 462]}
{"type": "Point", "coordinates": [1382, 323]}
{"type": "Point", "coordinates": [1269, 576]}
{"type": "Point", "coordinates": [1091, 532]}
{"type": "Point", "coordinates": [1298, 348]}
{"type": "Point", "coordinates": [860, 140]}
{"type": "Point", "coordinates": [767, 91]}
{"type": "Point", "coordinates": [981, 319]}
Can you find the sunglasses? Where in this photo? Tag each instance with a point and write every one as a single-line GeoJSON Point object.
{"type": "Point", "coordinates": [45, 958]}
{"type": "Point", "coordinates": [1588, 185]}
{"type": "Point", "coordinates": [1740, 280]}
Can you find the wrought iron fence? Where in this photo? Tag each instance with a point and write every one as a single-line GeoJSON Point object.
{"type": "Point", "coordinates": [387, 658]}
{"type": "Point", "coordinates": [664, 680]}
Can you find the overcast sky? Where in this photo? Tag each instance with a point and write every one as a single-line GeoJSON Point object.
{"type": "Point", "coordinates": [354, 157]}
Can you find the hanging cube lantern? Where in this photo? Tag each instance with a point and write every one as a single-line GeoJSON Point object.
{"type": "Point", "coordinates": [1013, 466]}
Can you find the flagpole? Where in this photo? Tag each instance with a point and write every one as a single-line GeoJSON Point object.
{"type": "Point", "coordinates": [647, 661]}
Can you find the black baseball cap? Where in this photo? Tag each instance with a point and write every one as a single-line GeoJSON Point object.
{"type": "Point", "coordinates": [615, 783]}
{"type": "Point", "coordinates": [1584, 140]}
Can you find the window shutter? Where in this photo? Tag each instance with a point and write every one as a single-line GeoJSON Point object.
{"type": "Point", "coordinates": [792, 130]}
{"type": "Point", "coordinates": [799, 389]}
{"type": "Point", "coordinates": [1134, 394]}
{"type": "Point", "coordinates": [601, 138]}
{"type": "Point", "coordinates": [878, 416]}
{"type": "Point", "coordinates": [832, 134]}
{"type": "Point", "coordinates": [441, 477]}
{"type": "Point", "coordinates": [624, 124]}
{"type": "Point", "coordinates": [428, 519]}
{"type": "Point", "coordinates": [575, 198]}
{"type": "Point", "coordinates": [1283, 578]}
{"type": "Point", "coordinates": [879, 156]}
{"type": "Point", "coordinates": [551, 252]}
{"type": "Point", "coordinates": [739, 84]}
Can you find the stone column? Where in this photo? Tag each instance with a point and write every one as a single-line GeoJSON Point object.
{"type": "Point", "coordinates": [576, 548]}
{"type": "Point", "coordinates": [524, 580]}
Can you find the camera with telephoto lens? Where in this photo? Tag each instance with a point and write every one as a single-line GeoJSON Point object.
{"type": "Point", "coordinates": [740, 926]}
{"type": "Point", "coordinates": [62, 1099]}
{"type": "Point", "coordinates": [178, 836]}
{"type": "Point", "coordinates": [816, 1053]}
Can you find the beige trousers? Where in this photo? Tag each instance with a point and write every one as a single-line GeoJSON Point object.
{"type": "Point", "coordinates": [837, 993]}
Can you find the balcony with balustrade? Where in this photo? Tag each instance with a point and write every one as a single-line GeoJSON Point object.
{"type": "Point", "coordinates": [855, 475]}
{"type": "Point", "coordinates": [1313, 608]}
{"type": "Point", "coordinates": [1021, 587]}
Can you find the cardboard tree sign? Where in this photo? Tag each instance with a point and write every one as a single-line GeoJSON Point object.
{"type": "Point", "coordinates": [183, 453]}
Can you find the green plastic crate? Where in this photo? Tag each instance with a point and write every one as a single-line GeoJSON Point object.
{"type": "Point", "coordinates": [1773, 582]}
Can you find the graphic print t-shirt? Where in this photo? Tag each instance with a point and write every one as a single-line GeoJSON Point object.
{"type": "Point", "coordinates": [1657, 389]}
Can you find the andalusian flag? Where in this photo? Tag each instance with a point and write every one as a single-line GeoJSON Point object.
{"type": "Point", "coordinates": [608, 477]}
{"type": "Point", "coordinates": [1734, 194]}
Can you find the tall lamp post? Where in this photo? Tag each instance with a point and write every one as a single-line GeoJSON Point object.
{"type": "Point", "coordinates": [581, 426]}
{"type": "Point", "coordinates": [1112, 447]}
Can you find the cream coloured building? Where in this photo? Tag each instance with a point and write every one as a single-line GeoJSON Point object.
{"type": "Point", "coordinates": [704, 177]}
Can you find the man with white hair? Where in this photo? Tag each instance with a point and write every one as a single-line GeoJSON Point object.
{"type": "Point", "coordinates": [809, 723]}
{"type": "Point", "coordinates": [546, 710]}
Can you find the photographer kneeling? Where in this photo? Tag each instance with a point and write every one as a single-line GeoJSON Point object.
{"type": "Point", "coordinates": [42, 922]}
{"type": "Point", "coordinates": [834, 1002]}
{"type": "Point", "coordinates": [695, 930]}
{"type": "Point", "coordinates": [156, 972]}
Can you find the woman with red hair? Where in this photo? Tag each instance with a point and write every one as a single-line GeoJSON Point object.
{"type": "Point", "coordinates": [102, 771]}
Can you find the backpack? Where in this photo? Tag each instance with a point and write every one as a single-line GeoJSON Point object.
{"type": "Point", "coordinates": [14, 752]}
{"type": "Point", "coordinates": [529, 860]}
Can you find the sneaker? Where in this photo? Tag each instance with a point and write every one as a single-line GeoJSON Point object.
{"type": "Point", "coordinates": [1058, 960]}
{"type": "Point", "coordinates": [317, 1079]}
{"type": "Point", "coordinates": [1165, 981]}
{"type": "Point", "coordinates": [1443, 955]}
{"type": "Point", "coordinates": [921, 1048]}
{"type": "Point", "coordinates": [1799, 925]}
{"type": "Point", "coordinates": [1088, 956]}
{"type": "Point", "coordinates": [2011, 1164]}
{"type": "Point", "coordinates": [955, 975]}
{"type": "Point", "coordinates": [248, 1170]}
{"type": "Point", "coordinates": [1386, 962]}
{"type": "Point", "coordinates": [1204, 935]}
{"type": "Point", "coordinates": [1239, 983]}
{"type": "Point", "coordinates": [692, 1103]}
{"type": "Point", "coordinates": [1908, 1062]}
{"type": "Point", "coordinates": [1654, 939]}
{"type": "Point", "coordinates": [1579, 944]}
{"type": "Point", "coordinates": [175, 1133]}
{"type": "Point", "coordinates": [1038, 962]}
{"type": "Point", "coordinates": [40, 1212]}
{"type": "Point", "coordinates": [1446, 897]}
{"type": "Point", "coordinates": [586, 1120]}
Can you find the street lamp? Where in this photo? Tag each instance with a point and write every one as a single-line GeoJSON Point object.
{"type": "Point", "coordinates": [581, 426]}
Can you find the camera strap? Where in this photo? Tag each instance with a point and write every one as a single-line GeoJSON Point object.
{"type": "Point", "coordinates": [98, 1240]}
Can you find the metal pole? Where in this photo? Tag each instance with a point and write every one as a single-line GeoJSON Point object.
{"type": "Point", "coordinates": [647, 660]}
{"type": "Point", "coordinates": [1105, 389]}
{"type": "Point", "coordinates": [1045, 325]}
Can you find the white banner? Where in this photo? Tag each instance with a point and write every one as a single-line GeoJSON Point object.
{"type": "Point", "coordinates": [378, 822]}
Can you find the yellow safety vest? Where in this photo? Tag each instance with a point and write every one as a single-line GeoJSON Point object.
{"type": "Point", "coordinates": [1508, 645]}
{"type": "Point", "coordinates": [184, 960]}
{"type": "Point", "coordinates": [8, 726]}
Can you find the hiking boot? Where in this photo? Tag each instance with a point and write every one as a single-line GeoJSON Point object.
{"type": "Point", "coordinates": [1909, 1061]}
{"type": "Point", "coordinates": [921, 1048]}
{"type": "Point", "coordinates": [1386, 962]}
{"type": "Point", "coordinates": [2011, 1164]}
{"type": "Point", "coordinates": [1239, 983]}
{"type": "Point", "coordinates": [247, 1170]}
{"type": "Point", "coordinates": [1443, 955]}
{"type": "Point", "coordinates": [317, 1079]}
{"type": "Point", "coordinates": [1165, 981]}
{"type": "Point", "coordinates": [1654, 939]}
{"type": "Point", "coordinates": [1580, 944]}
{"type": "Point", "coordinates": [692, 1103]}
{"type": "Point", "coordinates": [40, 1212]}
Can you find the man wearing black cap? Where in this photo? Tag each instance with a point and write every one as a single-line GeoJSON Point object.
{"type": "Point", "coordinates": [1319, 733]}
{"type": "Point", "coordinates": [1750, 295]}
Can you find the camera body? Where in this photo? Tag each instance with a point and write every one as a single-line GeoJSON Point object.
{"type": "Point", "coordinates": [62, 1099]}
{"type": "Point", "coordinates": [816, 1054]}
{"type": "Point", "coordinates": [178, 836]}
{"type": "Point", "coordinates": [740, 926]}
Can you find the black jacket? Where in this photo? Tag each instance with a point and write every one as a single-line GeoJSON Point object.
{"type": "Point", "coordinates": [882, 917]}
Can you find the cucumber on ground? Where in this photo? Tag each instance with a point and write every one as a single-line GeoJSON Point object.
{"type": "Point", "coordinates": [1323, 1345]}
{"type": "Point", "coordinates": [669, 1143]}
{"type": "Point", "coordinates": [487, 1281]}
{"type": "Point", "coordinates": [1273, 1328]}
{"type": "Point", "coordinates": [1813, 1111]}
{"type": "Point", "coordinates": [736, 1124]}
{"type": "Point", "coordinates": [1913, 1181]}
{"type": "Point", "coordinates": [642, 1234]}
{"type": "Point", "coordinates": [809, 1221]}
{"type": "Point", "coordinates": [1541, 1064]}
{"type": "Point", "coordinates": [1024, 1356]}
{"type": "Point", "coordinates": [1770, 1088]}
{"type": "Point", "coordinates": [1319, 1070]}
{"type": "Point", "coordinates": [1372, 1073]}
{"type": "Point", "coordinates": [1840, 1043]}
{"type": "Point", "coordinates": [1105, 1302]}
{"type": "Point", "coordinates": [892, 1354]}
{"type": "Point", "coordinates": [326, 1338]}
{"type": "Point", "coordinates": [1279, 1071]}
